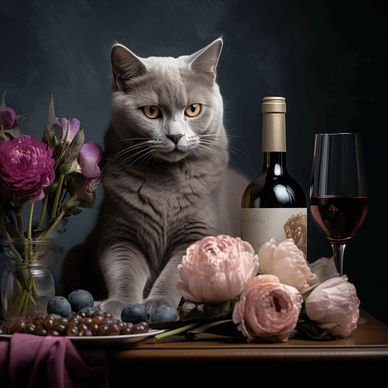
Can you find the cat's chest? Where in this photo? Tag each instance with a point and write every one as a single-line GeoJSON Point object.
{"type": "Point", "coordinates": [171, 205]}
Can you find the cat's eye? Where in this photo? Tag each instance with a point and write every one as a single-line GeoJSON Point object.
{"type": "Point", "coordinates": [152, 111]}
{"type": "Point", "coordinates": [193, 110]}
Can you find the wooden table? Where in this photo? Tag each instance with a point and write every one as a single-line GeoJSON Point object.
{"type": "Point", "coordinates": [364, 356]}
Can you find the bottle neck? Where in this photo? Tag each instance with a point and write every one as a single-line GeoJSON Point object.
{"type": "Point", "coordinates": [274, 162]}
{"type": "Point", "coordinates": [274, 143]}
{"type": "Point", "coordinates": [274, 132]}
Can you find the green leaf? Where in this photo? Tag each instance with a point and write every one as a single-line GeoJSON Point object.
{"type": "Point", "coordinates": [87, 199]}
{"type": "Point", "coordinates": [2, 102]}
{"type": "Point", "coordinates": [218, 310]}
{"type": "Point", "coordinates": [13, 133]}
{"type": "Point", "coordinates": [72, 206]}
{"type": "Point", "coordinates": [56, 131]}
{"type": "Point", "coordinates": [210, 325]}
{"type": "Point", "coordinates": [310, 330]}
{"type": "Point", "coordinates": [74, 211]}
{"type": "Point", "coordinates": [51, 118]}
{"type": "Point", "coordinates": [76, 145]}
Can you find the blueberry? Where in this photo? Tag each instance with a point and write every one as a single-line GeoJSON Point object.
{"type": "Point", "coordinates": [59, 305]}
{"type": "Point", "coordinates": [164, 313]}
{"type": "Point", "coordinates": [80, 299]}
{"type": "Point", "coordinates": [134, 312]}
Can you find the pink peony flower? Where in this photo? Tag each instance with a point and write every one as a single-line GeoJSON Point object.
{"type": "Point", "coordinates": [324, 268]}
{"type": "Point", "coordinates": [216, 268]}
{"type": "Point", "coordinates": [26, 169]}
{"type": "Point", "coordinates": [8, 118]}
{"type": "Point", "coordinates": [335, 306]}
{"type": "Point", "coordinates": [267, 308]}
{"type": "Point", "coordinates": [287, 262]}
{"type": "Point", "coordinates": [71, 127]}
{"type": "Point", "coordinates": [88, 158]}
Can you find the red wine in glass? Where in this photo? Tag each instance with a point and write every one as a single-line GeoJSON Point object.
{"type": "Point", "coordinates": [338, 192]}
{"type": "Point", "coordinates": [339, 217]}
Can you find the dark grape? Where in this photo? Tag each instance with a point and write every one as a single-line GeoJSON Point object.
{"type": "Point", "coordinates": [99, 324]}
{"type": "Point", "coordinates": [141, 327]}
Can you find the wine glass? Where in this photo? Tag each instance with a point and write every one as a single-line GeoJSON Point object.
{"type": "Point", "coordinates": [338, 192]}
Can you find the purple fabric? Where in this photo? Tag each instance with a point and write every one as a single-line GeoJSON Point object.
{"type": "Point", "coordinates": [32, 361]}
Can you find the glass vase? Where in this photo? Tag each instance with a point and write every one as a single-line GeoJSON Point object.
{"type": "Point", "coordinates": [27, 282]}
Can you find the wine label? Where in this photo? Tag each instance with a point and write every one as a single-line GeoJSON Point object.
{"type": "Point", "coordinates": [260, 225]}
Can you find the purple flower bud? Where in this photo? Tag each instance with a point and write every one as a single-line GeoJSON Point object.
{"type": "Point", "coordinates": [89, 158]}
{"type": "Point", "coordinates": [73, 126]}
{"type": "Point", "coordinates": [26, 169]}
{"type": "Point", "coordinates": [8, 118]}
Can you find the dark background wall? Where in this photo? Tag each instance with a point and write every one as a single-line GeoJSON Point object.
{"type": "Point", "coordinates": [328, 58]}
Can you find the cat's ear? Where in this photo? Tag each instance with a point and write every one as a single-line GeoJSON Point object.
{"type": "Point", "coordinates": [205, 60]}
{"type": "Point", "coordinates": [125, 66]}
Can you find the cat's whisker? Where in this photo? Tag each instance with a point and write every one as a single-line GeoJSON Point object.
{"type": "Point", "coordinates": [128, 150]}
{"type": "Point", "coordinates": [209, 145]}
{"type": "Point", "coordinates": [135, 154]}
{"type": "Point", "coordinates": [235, 149]}
{"type": "Point", "coordinates": [139, 158]}
{"type": "Point", "coordinates": [130, 139]}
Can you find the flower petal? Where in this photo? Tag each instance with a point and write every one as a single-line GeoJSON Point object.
{"type": "Point", "coordinates": [88, 158]}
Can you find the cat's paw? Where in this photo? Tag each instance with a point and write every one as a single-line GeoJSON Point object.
{"type": "Point", "coordinates": [153, 302]}
{"type": "Point", "coordinates": [113, 306]}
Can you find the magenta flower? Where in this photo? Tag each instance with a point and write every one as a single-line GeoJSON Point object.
{"type": "Point", "coordinates": [71, 127]}
{"type": "Point", "coordinates": [26, 169]}
{"type": "Point", "coordinates": [8, 118]}
{"type": "Point", "coordinates": [88, 158]}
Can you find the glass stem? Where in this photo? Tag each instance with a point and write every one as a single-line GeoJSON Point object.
{"type": "Point", "coordinates": [338, 253]}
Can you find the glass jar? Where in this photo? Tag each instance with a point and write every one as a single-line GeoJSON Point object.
{"type": "Point", "coordinates": [27, 282]}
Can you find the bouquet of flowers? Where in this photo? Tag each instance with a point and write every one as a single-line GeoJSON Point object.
{"type": "Point", "coordinates": [270, 296]}
{"type": "Point", "coordinates": [42, 182]}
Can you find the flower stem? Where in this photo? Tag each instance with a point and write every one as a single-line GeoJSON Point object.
{"type": "Point", "coordinates": [18, 256]}
{"type": "Point", "coordinates": [30, 216]}
{"type": "Point", "coordinates": [21, 303]}
{"type": "Point", "coordinates": [43, 212]}
{"type": "Point", "coordinates": [19, 221]}
{"type": "Point", "coordinates": [57, 196]}
{"type": "Point", "coordinates": [47, 233]}
{"type": "Point", "coordinates": [179, 330]}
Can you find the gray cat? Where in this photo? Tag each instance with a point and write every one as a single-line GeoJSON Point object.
{"type": "Point", "coordinates": [165, 179]}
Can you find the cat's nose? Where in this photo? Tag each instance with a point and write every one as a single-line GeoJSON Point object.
{"type": "Point", "coordinates": [175, 138]}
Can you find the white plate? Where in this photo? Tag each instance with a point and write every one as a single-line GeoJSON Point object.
{"type": "Point", "coordinates": [107, 339]}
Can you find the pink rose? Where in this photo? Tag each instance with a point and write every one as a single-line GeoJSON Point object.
{"type": "Point", "coordinates": [70, 127]}
{"type": "Point", "coordinates": [8, 118]}
{"type": "Point", "coordinates": [267, 308]}
{"type": "Point", "coordinates": [26, 169]}
{"type": "Point", "coordinates": [215, 269]}
{"type": "Point", "coordinates": [335, 306]}
{"type": "Point", "coordinates": [88, 159]}
{"type": "Point", "coordinates": [287, 262]}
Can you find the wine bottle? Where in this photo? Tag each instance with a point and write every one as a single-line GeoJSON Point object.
{"type": "Point", "coordinates": [273, 204]}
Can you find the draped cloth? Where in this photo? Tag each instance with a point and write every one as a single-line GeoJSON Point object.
{"type": "Point", "coordinates": [32, 361]}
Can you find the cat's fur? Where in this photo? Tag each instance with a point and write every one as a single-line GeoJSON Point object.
{"type": "Point", "coordinates": [159, 196]}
